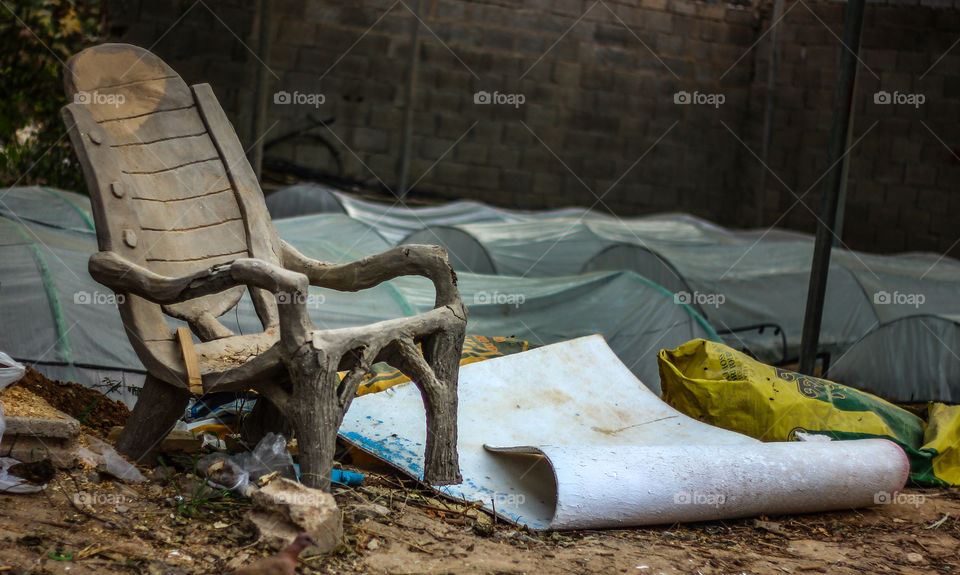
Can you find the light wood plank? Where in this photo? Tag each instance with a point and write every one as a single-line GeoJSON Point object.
{"type": "Point", "coordinates": [190, 359]}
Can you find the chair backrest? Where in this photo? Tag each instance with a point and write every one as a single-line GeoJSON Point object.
{"type": "Point", "coordinates": [170, 186]}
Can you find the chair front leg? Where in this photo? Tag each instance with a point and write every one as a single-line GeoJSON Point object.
{"type": "Point", "coordinates": [435, 375]}
{"type": "Point", "coordinates": [316, 413]}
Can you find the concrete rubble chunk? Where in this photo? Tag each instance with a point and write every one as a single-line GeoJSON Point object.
{"type": "Point", "coordinates": [31, 439]}
{"type": "Point", "coordinates": [284, 508]}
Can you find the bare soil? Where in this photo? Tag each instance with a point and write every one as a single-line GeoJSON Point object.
{"type": "Point", "coordinates": [92, 408]}
{"type": "Point", "coordinates": [85, 523]}
{"type": "Point", "coordinates": [393, 526]}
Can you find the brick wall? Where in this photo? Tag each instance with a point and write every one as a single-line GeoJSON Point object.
{"type": "Point", "coordinates": [599, 125]}
{"type": "Point", "coordinates": [904, 173]}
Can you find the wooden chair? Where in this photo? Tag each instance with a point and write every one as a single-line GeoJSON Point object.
{"type": "Point", "coordinates": [183, 230]}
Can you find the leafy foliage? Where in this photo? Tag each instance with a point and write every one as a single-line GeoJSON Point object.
{"type": "Point", "coordinates": [36, 39]}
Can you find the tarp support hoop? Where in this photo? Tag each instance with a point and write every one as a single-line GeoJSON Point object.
{"type": "Point", "coordinates": [699, 318]}
{"type": "Point", "coordinates": [73, 205]}
{"type": "Point", "coordinates": [53, 299]}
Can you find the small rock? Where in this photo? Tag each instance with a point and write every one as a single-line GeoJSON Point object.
{"type": "Point", "coordinates": [373, 545]}
{"type": "Point", "coordinates": [38, 472]}
{"type": "Point", "coordinates": [122, 508]}
{"type": "Point", "coordinates": [369, 511]}
{"type": "Point", "coordinates": [160, 474]}
{"type": "Point", "coordinates": [915, 558]}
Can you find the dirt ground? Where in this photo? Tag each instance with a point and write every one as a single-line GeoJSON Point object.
{"type": "Point", "coordinates": [391, 526]}
{"type": "Point", "coordinates": [88, 523]}
{"type": "Point", "coordinates": [90, 407]}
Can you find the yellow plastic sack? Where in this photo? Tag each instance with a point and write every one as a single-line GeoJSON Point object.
{"type": "Point", "coordinates": [942, 441]}
{"type": "Point", "coordinates": [475, 348]}
{"type": "Point", "coordinates": [724, 387]}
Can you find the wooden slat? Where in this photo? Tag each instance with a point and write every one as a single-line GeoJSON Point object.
{"type": "Point", "coordinates": [165, 154]}
{"type": "Point", "coordinates": [264, 243]}
{"type": "Point", "coordinates": [181, 269]}
{"type": "Point", "coordinates": [193, 180]}
{"type": "Point", "coordinates": [111, 65]}
{"type": "Point", "coordinates": [156, 126]}
{"type": "Point", "coordinates": [190, 359]}
{"type": "Point", "coordinates": [189, 213]}
{"type": "Point", "coordinates": [136, 100]}
{"type": "Point", "coordinates": [227, 238]}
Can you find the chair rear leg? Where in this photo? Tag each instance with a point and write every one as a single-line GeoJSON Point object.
{"type": "Point", "coordinates": [157, 410]}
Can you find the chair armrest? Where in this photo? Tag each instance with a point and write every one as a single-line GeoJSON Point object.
{"type": "Point", "coordinates": [124, 276]}
{"type": "Point", "coordinates": [422, 260]}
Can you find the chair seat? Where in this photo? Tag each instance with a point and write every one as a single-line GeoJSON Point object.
{"type": "Point", "coordinates": [240, 360]}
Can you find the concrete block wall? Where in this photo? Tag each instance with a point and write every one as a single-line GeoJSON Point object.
{"type": "Point", "coordinates": [904, 170]}
{"type": "Point", "coordinates": [600, 124]}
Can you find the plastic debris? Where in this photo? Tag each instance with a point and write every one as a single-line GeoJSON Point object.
{"type": "Point", "coordinates": [11, 371]}
{"type": "Point", "coordinates": [240, 472]}
{"type": "Point", "coordinates": [346, 477]}
{"type": "Point", "coordinates": [12, 484]}
{"type": "Point", "coordinates": [106, 459]}
{"type": "Point", "coordinates": [342, 477]}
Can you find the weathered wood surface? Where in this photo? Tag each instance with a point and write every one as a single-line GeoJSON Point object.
{"type": "Point", "coordinates": [183, 230]}
{"type": "Point", "coordinates": [190, 361]}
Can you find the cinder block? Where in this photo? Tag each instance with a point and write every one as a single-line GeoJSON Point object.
{"type": "Point", "coordinates": [32, 439]}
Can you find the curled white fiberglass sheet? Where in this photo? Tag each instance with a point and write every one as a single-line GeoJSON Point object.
{"type": "Point", "coordinates": [565, 437]}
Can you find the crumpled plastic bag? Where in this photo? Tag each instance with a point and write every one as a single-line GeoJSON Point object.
{"type": "Point", "coordinates": [241, 471]}
{"type": "Point", "coordinates": [11, 371]}
{"type": "Point", "coordinates": [106, 459]}
{"type": "Point", "coordinates": [11, 483]}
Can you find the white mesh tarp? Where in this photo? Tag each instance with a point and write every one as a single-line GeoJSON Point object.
{"type": "Point", "coordinates": [890, 322]}
{"type": "Point", "coordinates": [57, 318]}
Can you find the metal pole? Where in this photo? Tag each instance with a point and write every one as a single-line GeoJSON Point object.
{"type": "Point", "coordinates": [842, 202]}
{"type": "Point", "coordinates": [842, 107]}
{"type": "Point", "coordinates": [768, 111]}
{"type": "Point", "coordinates": [264, 44]}
{"type": "Point", "coordinates": [413, 63]}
